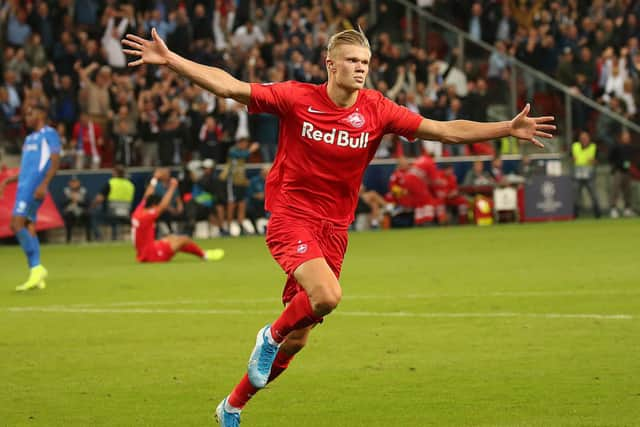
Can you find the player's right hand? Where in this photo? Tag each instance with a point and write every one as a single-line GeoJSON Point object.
{"type": "Point", "coordinates": [153, 51]}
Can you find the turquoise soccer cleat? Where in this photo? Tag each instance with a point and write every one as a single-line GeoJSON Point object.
{"type": "Point", "coordinates": [227, 418]}
{"type": "Point", "coordinates": [261, 359]}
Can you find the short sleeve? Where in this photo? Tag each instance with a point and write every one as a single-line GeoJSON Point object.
{"type": "Point", "coordinates": [53, 139]}
{"type": "Point", "coordinates": [399, 120]}
{"type": "Point", "coordinates": [272, 98]}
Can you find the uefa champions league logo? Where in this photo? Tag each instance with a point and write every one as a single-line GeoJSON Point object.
{"type": "Point", "coordinates": [549, 204]}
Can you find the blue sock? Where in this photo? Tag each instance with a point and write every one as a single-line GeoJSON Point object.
{"type": "Point", "coordinates": [30, 246]}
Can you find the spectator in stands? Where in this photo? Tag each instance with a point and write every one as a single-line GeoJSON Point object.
{"type": "Point", "coordinates": [113, 34]}
{"type": "Point", "coordinates": [34, 51]}
{"type": "Point", "coordinates": [11, 85]}
{"type": "Point", "coordinates": [210, 183]}
{"type": "Point", "coordinates": [18, 30]}
{"type": "Point", "coordinates": [456, 112]}
{"type": "Point", "coordinates": [10, 118]}
{"type": "Point", "coordinates": [608, 129]}
{"type": "Point", "coordinates": [374, 204]}
{"type": "Point", "coordinates": [210, 140]}
{"type": "Point", "coordinates": [583, 152]}
{"type": "Point", "coordinates": [506, 27]}
{"type": "Point", "coordinates": [255, 200]}
{"type": "Point", "coordinates": [43, 27]}
{"type": "Point", "coordinates": [198, 202]}
{"type": "Point", "coordinates": [614, 85]}
{"type": "Point", "coordinates": [180, 39]}
{"type": "Point", "coordinates": [266, 130]}
{"type": "Point", "coordinates": [477, 176]}
{"type": "Point", "coordinates": [67, 150]}
{"type": "Point", "coordinates": [171, 137]}
{"type": "Point", "coordinates": [162, 26]}
{"type": "Point", "coordinates": [88, 140]}
{"type": "Point", "coordinates": [444, 187]}
{"type": "Point", "coordinates": [201, 26]}
{"type": "Point", "coordinates": [234, 174]}
{"type": "Point", "coordinates": [566, 73]}
{"type": "Point", "coordinates": [498, 62]}
{"type": "Point", "coordinates": [75, 208]}
{"type": "Point", "coordinates": [628, 99]}
{"type": "Point", "coordinates": [149, 128]}
{"type": "Point", "coordinates": [98, 100]}
{"type": "Point", "coordinates": [477, 27]}
{"type": "Point", "coordinates": [497, 170]}
{"type": "Point", "coordinates": [65, 104]}
{"type": "Point", "coordinates": [123, 134]}
{"type": "Point", "coordinates": [86, 12]}
{"type": "Point", "coordinates": [19, 65]}
{"type": "Point", "coordinates": [620, 158]}
{"type": "Point", "coordinates": [112, 205]}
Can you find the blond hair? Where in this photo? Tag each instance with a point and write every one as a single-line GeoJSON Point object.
{"type": "Point", "coordinates": [348, 37]}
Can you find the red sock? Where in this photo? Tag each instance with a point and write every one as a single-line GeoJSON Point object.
{"type": "Point", "coordinates": [241, 393]}
{"type": "Point", "coordinates": [192, 248]}
{"type": "Point", "coordinates": [280, 364]}
{"type": "Point", "coordinates": [297, 315]}
{"type": "Point", "coordinates": [244, 391]}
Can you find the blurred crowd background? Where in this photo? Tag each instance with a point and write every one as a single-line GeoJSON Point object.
{"type": "Point", "coordinates": [67, 54]}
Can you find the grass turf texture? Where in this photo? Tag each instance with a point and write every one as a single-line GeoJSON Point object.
{"type": "Point", "coordinates": [438, 327]}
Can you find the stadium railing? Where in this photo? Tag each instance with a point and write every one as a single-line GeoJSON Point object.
{"type": "Point", "coordinates": [429, 24]}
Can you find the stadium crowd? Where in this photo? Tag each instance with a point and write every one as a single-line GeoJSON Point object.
{"type": "Point", "coordinates": [67, 55]}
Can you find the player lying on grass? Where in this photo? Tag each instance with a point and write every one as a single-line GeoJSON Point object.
{"type": "Point", "coordinates": [328, 135]}
{"type": "Point", "coordinates": [143, 231]}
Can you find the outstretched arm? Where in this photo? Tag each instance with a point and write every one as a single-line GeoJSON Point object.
{"type": "Point", "coordinates": [166, 199]}
{"type": "Point", "coordinates": [213, 79]}
{"type": "Point", "coordinates": [464, 131]}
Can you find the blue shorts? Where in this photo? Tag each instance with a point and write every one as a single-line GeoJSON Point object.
{"type": "Point", "coordinates": [26, 207]}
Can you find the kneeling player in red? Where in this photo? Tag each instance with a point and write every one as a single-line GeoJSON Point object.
{"type": "Point", "coordinates": [143, 231]}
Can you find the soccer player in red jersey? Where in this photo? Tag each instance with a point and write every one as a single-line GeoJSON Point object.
{"type": "Point", "coordinates": [328, 135]}
{"type": "Point", "coordinates": [407, 189]}
{"type": "Point", "coordinates": [143, 231]}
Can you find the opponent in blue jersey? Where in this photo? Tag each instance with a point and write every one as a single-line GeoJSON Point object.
{"type": "Point", "coordinates": [40, 160]}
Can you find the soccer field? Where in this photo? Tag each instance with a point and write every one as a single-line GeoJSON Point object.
{"type": "Point", "coordinates": [518, 325]}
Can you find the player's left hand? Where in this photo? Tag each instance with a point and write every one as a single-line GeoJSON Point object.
{"type": "Point", "coordinates": [40, 192]}
{"type": "Point", "coordinates": [531, 128]}
{"type": "Point", "coordinates": [152, 51]}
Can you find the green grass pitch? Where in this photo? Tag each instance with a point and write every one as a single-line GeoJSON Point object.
{"type": "Point", "coordinates": [516, 325]}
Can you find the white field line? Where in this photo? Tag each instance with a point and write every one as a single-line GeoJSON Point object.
{"type": "Point", "coordinates": [368, 297]}
{"type": "Point", "coordinates": [376, 314]}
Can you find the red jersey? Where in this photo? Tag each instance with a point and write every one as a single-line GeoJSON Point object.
{"type": "Point", "coordinates": [323, 149]}
{"type": "Point", "coordinates": [425, 168]}
{"type": "Point", "coordinates": [440, 185]}
{"type": "Point", "coordinates": [452, 184]}
{"type": "Point", "coordinates": [88, 136]}
{"type": "Point", "coordinates": [408, 189]}
{"type": "Point", "coordinates": [143, 228]}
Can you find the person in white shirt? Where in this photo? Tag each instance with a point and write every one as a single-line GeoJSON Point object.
{"type": "Point", "coordinates": [246, 36]}
{"type": "Point", "coordinates": [111, 41]}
